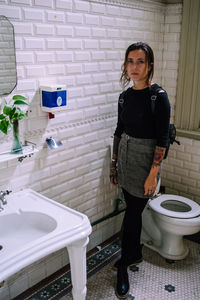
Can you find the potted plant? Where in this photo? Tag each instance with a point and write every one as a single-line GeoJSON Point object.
{"type": "Point", "coordinates": [11, 114]}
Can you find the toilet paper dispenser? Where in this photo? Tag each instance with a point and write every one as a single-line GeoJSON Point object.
{"type": "Point", "coordinates": [53, 98]}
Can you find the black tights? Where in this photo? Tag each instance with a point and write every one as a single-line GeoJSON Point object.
{"type": "Point", "coordinates": [131, 228]}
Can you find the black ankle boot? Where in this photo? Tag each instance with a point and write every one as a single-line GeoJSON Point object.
{"type": "Point", "coordinates": [122, 288]}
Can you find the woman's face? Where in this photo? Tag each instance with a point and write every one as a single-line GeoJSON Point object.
{"type": "Point", "coordinates": [137, 66]}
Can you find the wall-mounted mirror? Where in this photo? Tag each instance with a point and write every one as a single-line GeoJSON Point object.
{"type": "Point", "coordinates": [8, 72]}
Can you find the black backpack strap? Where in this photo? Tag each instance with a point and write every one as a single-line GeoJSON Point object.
{"type": "Point", "coordinates": [121, 99]}
{"type": "Point", "coordinates": [154, 90]}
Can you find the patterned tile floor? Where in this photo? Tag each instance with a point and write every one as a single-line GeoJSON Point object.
{"type": "Point", "coordinates": [153, 279]}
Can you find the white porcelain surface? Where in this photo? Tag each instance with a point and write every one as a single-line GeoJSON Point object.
{"type": "Point", "coordinates": [156, 204]}
{"type": "Point", "coordinates": [33, 226]}
{"type": "Point", "coordinates": [164, 233]}
{"type": "Point", "coordinates": [18, 229]}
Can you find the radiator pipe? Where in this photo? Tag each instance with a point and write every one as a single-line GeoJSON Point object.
{"type": "Point", "coordinates": [116, 212]}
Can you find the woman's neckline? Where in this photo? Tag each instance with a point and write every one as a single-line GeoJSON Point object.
{"type": "Point", "coordinates": [143, 89]}
{"type": "Point", "coordinates": [139, 90]}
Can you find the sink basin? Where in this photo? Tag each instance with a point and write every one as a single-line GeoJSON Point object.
{"type": "Point", "coordinates": [33, 226]}
{"type": "Point", "coordinates": [23, 227]}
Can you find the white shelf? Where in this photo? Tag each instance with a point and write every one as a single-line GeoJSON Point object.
{"type": "Point", "coordinates": [27, 151]}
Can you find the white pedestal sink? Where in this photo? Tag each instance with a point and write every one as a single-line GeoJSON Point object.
{"type": "Point", "coordinates": [33, 226]}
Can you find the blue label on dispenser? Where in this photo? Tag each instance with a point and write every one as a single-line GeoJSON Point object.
{"type": "Point", "coordinates": [54, 99]}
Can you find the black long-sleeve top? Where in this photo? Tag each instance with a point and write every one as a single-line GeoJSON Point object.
{"type": "Point", "coordinates": [136, 118]}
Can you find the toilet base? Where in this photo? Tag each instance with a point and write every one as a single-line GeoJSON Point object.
{"type": "Point", "coordinates": [172, 255]}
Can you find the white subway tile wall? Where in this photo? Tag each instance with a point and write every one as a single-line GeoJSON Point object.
{"type": "Point", "coordinates": [82, 44]}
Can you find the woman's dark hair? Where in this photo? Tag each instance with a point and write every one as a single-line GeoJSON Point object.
{"type": "Point", "coordinates": [124, 79]}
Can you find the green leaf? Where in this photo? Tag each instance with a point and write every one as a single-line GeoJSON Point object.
{"type": "Point", "coordinates": [3, 129]}
{"type": "Point", "coordinates": [4, 125]}
{"type": "Point", "coordinates": [20, 102]}
{"type": "Point", "coordinates": [15, 116]}
{"type": "Point", "coordinates": [2, 117]}
{"type": "Point", "coordinates": [21, 116]}
{"type": "Point", "coordinates": [19, 97]}
{"type": "Point", "coordinates": [7, 110]}
{"type": "Point", "coordinates": [19, 109]}
{"type": "Point", "coordinates": [12, 113]}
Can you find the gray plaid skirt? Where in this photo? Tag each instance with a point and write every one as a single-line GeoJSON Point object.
{"type": "Point", "coordinates": [135, 157]}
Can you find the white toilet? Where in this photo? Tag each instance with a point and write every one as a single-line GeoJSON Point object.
{"type": "Point", "coordinates": [166, 219]}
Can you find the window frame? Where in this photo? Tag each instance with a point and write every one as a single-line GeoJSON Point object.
{"type": "Point", "coordinates": [187, 109]}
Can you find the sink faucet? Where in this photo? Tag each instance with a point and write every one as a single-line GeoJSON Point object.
{"type": "Point", "coordinates": [2, 197]}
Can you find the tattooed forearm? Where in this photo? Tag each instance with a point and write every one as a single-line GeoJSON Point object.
{"type": "Point", "coordinates": [158, 155]}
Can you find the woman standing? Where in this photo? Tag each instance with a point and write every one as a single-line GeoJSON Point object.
{"type": "Point", "coordinates": [140, 141]}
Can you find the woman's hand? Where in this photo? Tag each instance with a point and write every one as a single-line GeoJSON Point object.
{"type": "Point", "coordinates": [151, 181]}
{"type": "Point", "coordinates": [150, 185]}
{"type": "Point", "coordinates": [113, 176]}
